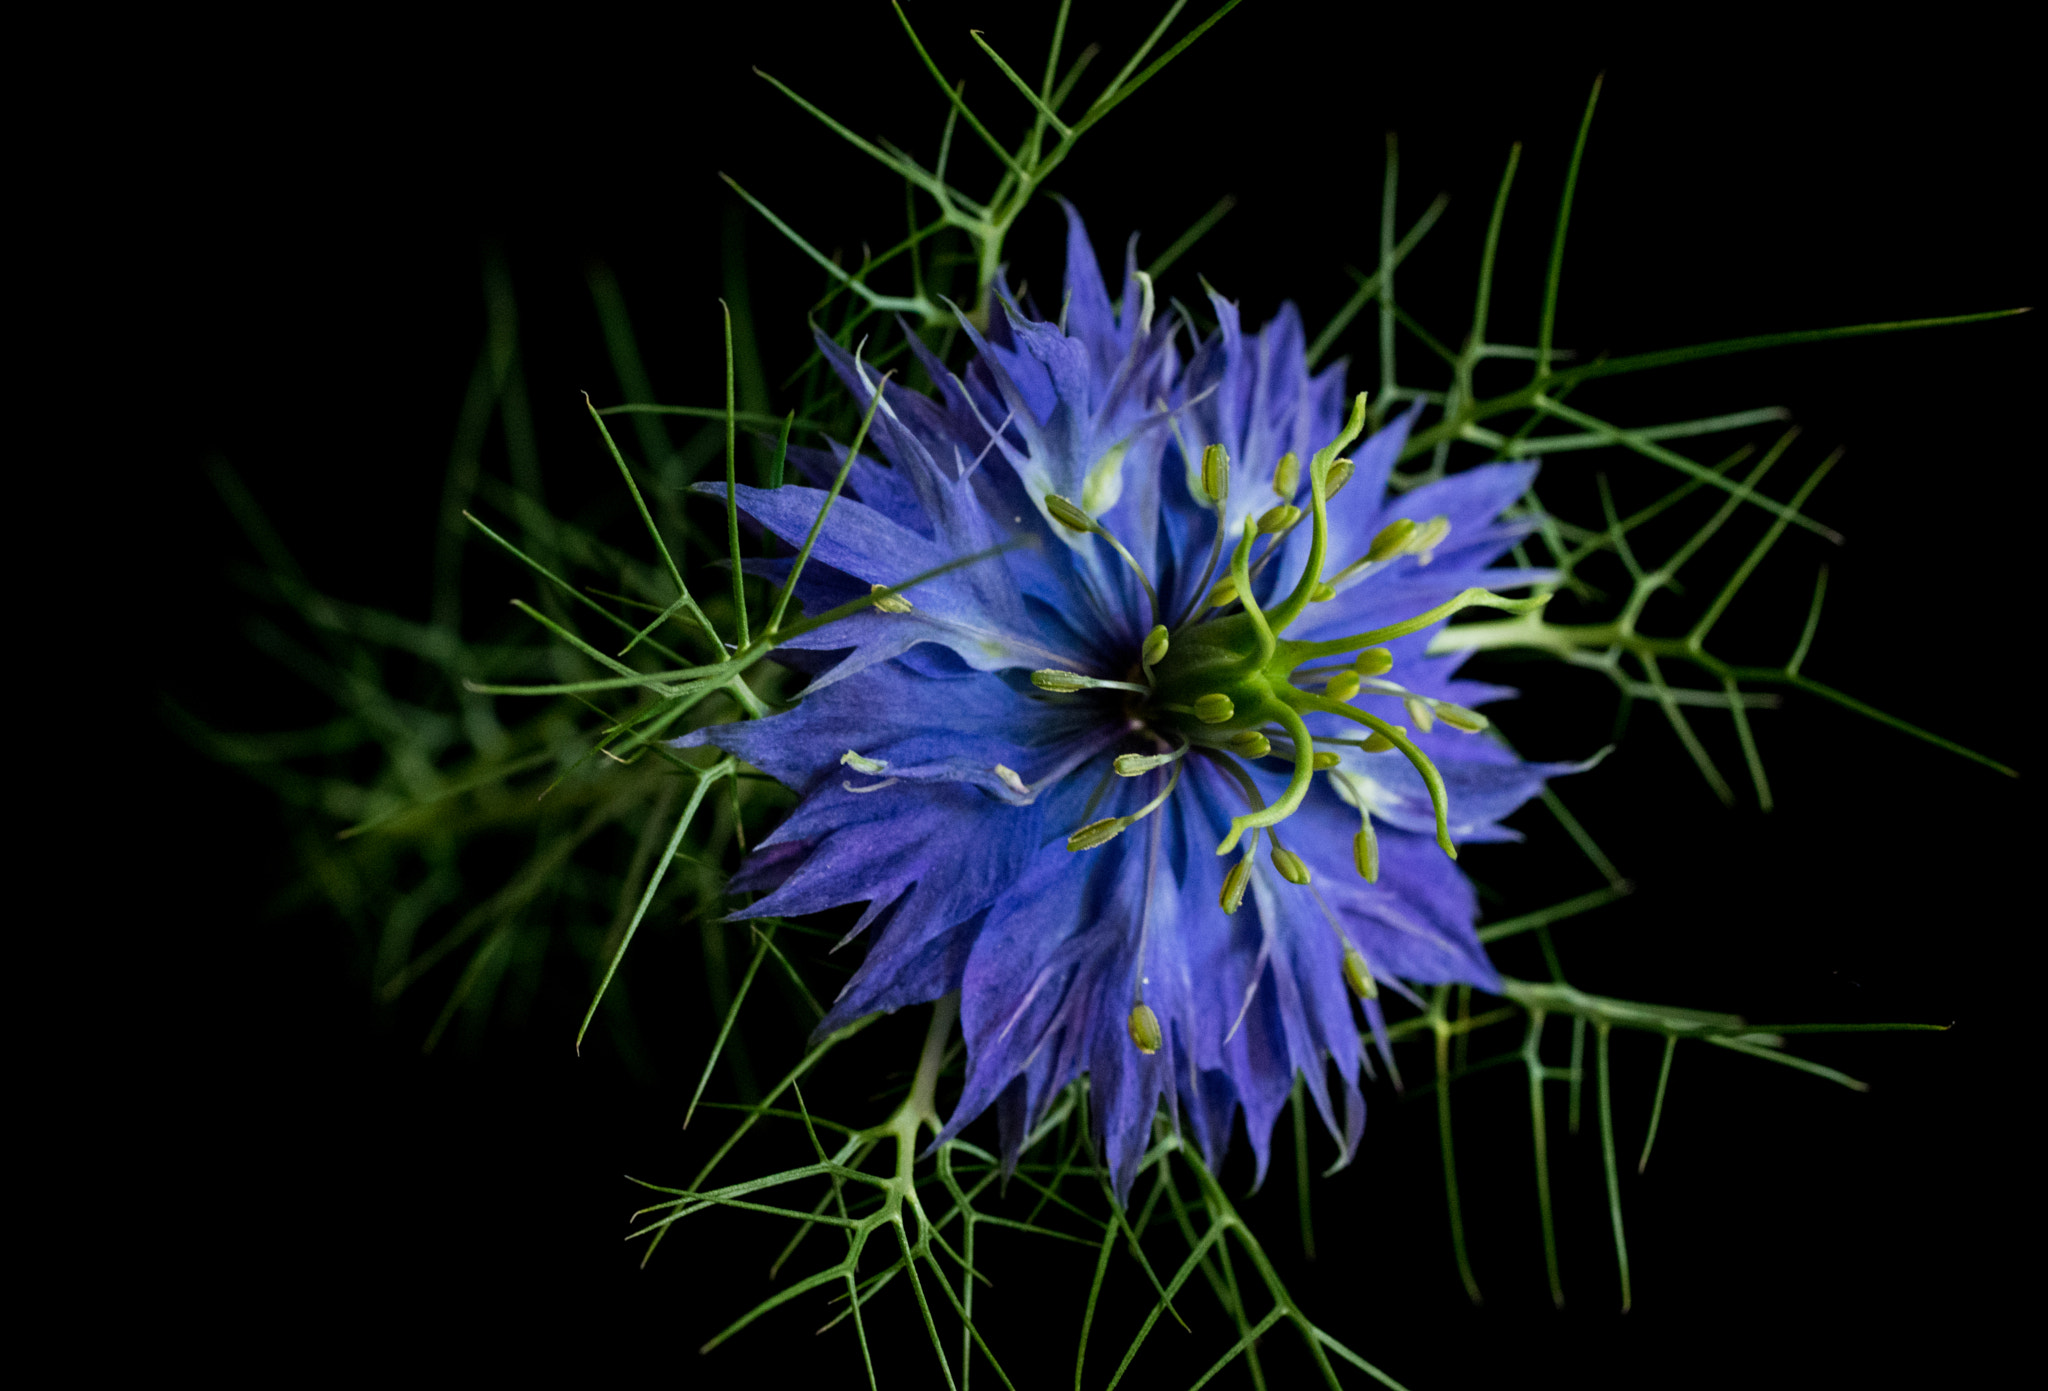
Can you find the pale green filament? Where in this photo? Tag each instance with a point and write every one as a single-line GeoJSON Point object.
{"type": "Point", "coordinates": [1073, 518]}
{"type": "Point", "coordinates": [1099, 833]}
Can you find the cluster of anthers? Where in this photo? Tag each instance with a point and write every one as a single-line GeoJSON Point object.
{"type": "Point", "coordinates": [1221, 682]}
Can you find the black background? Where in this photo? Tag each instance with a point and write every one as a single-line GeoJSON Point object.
{"type": "Point", "coordinates": [278, 252]}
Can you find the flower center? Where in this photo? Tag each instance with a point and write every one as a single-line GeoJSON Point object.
{"type": "Point", "coordinates": [1226, 683]}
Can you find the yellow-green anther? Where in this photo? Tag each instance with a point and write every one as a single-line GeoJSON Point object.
{"type": "Point", "coordinates": [1374, 661]}
{"type": "Point", "coordinates": [1458, 717]}
{"type": "Point", "coordinates": [1250, 743]}
{"type": "Point", "coordinates": [862, 764]}
{"type": "Point", "coordinates": [1322, 593]}
{"type": "Point", "coordinates": [1277, 519]}
{"type": "Point", "coordinates": [1365, 849]}
{"type": "Point", "coordinates": [1290, 866]}
{"type": "Point", "coordinates": [1130, 765]}
{"type": "Point", "coordinates": [1342, 686]}
{"type": "Point", "coordinates": [1427, 538]}
{"type": "Point", "coordinates": [1098, 833]}
{"type": "Point", "coordinates": [1234, 884]}
{"type": "Point", "coordinates": [1053, 679]}
{"type": "Point", "coordinates": [1225, 592]}
{"type": "Point", "coordinates": [1340, 474]}
{"type": "Point", "coordinates": [1145, 1029]}
{"type": "Point", "coordinates": [889, 603]}
{"type": "Point", "coordinates": [1358, 975]}
{"type": "Point", "coordinates": [1392, 540]}
{"type": "Point", "coordinates": [1216, 473]}
{"type": "Point", "coordinates": [1214, 708]}
{"type": "Point", "coordinates": [1324, 760]}
{"type": "Point", "coordinates": [1155, 646]}
{"type": "Point", "coordinates": [1377, 742]}
{"type": "Point", "coordinates": [1419, 711]}
{"type": "Point", "coordinates": [1068, 515]}
{"type": "Point", "coordinates": [1287, 475]}
{"type": "Point", "coordinates": [1008, 777]}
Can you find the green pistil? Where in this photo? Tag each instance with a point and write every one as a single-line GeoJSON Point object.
{"type": "Point", "coordinates": [1297, 786]}
{"type": "Point", "coordinates": [1432, 779]}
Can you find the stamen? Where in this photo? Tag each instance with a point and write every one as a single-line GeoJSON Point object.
{"type": "Point", "coordinates": [1237, 880]}
{"type": "Point", "coordinates": [1358, 975]}
{"type": "Point", "coordinates": [861, 764]}
{"type": "Point", "coordinates": [1131, 765]}
{"type": "Point", "coordinates": [1250, 743]}
{"type": "Point", "coordinates": [1289, 864]}
{"type": "Point", "coordinates": [1341, 473]}
{"type": "Point", "coordinates": [1459, 718]}
{"type": "Point", "coordinates": [1099, 833]}
{"type": "Point", "coordinates": [1276, 520]}
{"type": "Point", "coordinates": [1214, 708]}
{"type": "Point", "coordinates": [1216, 474]}
{"type": "Point", "coordinates": [1215, 483]}
{"type": "Point", "coordinates": [1374, 661]}
{"type": "Point", "coordinates": [1074, 519]}
{"type": "Point", "coordinates": [1465, 599]}
{"type": "Point", "coordinates": [1287, 476]}
{"type": "Point", "coordinates": [1065, 682]}
{"type": "Point", "coordinates": [889, 603]}
{"type": "Point", "coordinates": [1433, 780]}
{"type": "Point", "coordinates": [1009, 779]}
{"type": "Point", "coordinates": [1426, 708]}
{"type": "Point", "coordinates": [1398, 538]}
{"type": "Point", "coordinates": [873, 786]}
{"type": "Point", "coordinates": [1144, 1027]}
{"type": "Point", "coordinates": [1365, 846]}
{"type": "Point", "coordinates": [1342, 686]}
{"type": "Point", "coordinates": [1391, 541]}
{"type": "Point", "coordinates": [1422, 545]}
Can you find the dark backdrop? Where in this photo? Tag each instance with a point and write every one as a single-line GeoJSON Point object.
{"type": "Point", "coordinates": [294, 243]}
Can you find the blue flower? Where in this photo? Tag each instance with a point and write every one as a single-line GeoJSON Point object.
{"type": "Point", "coordinates": [1049, 774]}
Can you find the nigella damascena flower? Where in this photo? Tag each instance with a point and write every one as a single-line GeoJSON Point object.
{"type": "Point", "coordinates": [1050, 774]}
